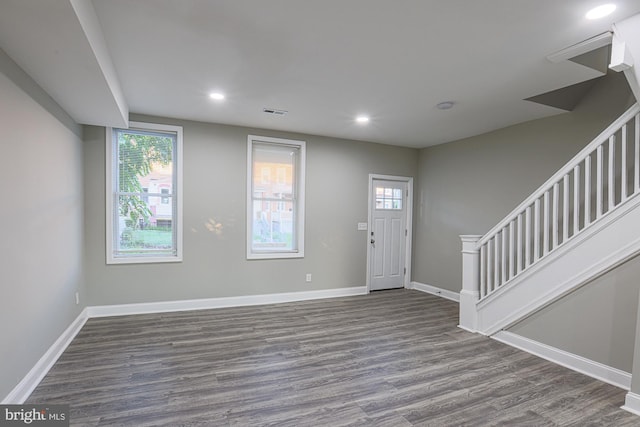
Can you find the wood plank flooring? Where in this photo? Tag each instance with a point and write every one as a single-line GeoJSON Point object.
{"type": "Point", "coordinates": [391, 358]}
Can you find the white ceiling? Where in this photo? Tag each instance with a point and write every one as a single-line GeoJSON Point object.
{"type": "Point", "coordinates": [323, 61]}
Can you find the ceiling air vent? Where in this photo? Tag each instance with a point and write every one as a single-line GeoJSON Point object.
{"type": "Point", "coordinates": [275, 111]}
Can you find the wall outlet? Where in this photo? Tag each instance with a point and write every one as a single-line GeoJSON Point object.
{"type": "Point", "coordinates": [308, 279]}
{"type": "Point", "coordinates": [77, 298]}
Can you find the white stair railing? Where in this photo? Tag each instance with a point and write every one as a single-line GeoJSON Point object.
{"type": "Point", "coordinates": [598, 179]}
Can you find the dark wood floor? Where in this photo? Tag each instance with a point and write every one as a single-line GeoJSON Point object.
{"type": "Point", "coordinates": [391, 358]}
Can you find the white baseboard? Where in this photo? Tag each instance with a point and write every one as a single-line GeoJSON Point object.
{"type": "Point", "coordinates": [444, 293]}
{"type": "Point", "coordinates": [207, 303]}
{"type": "Point", "coordinates": [572, 361]}
{"type": "Point", "coordinates": [23, 390]}
{"type": "Point", "coordinates": [632, 403]}
{"type": "Point", "coordinates": [468, 329]}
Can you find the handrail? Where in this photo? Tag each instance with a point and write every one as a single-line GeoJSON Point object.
{"type": "Point", "coordinates": [597, 180]}
{"type": "Point", "coordinates": [567, 168]}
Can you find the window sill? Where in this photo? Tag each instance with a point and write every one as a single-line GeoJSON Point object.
{"type": "Point", "coordinates": [143, 260]}
{"type": "Point", "coordinates": [275, 255]}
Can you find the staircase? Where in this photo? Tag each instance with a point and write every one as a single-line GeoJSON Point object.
{"type": "Point", "coordinates": [581, 223]}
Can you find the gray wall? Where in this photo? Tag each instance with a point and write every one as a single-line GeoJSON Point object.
{"type": "Point", "coordinates": [468, 186]}
{"type": "Point", "coordinates": [598, 321]}
{"type": "Point", "coordinates": [41, 222]}
{"type": "Point", "coordinates": [215, 265]}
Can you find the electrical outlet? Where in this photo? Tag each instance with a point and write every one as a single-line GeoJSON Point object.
{"type": "Point", "coordinates": [308, 279]}
{"type": "Point", "coordinates": [77, 298]}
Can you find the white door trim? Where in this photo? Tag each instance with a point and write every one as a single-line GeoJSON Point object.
{"type": "Point", "coordinates": [409, 224]}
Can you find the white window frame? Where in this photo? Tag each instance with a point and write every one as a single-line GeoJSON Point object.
{"type": "Point", "coordinates": [299, 205]}
{"type": "Point", "coordinates": [111, 166]}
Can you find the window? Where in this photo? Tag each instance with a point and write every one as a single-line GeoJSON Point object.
{"type": "Point", "coordinates": [275, 173]}
{"type": "Point", "coordinates": [144, 194]}
{"type": "Point", "coordinates": [388, 198]}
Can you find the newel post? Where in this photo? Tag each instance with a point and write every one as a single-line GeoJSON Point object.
{"type": "Point", "coordinates": [470, 293]}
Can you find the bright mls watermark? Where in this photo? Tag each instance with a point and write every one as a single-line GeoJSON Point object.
{"type": "Point", "coordinates": [34, 415]}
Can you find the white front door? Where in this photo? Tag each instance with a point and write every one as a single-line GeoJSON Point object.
{"type": "Point", "coordinates": [387, 234]}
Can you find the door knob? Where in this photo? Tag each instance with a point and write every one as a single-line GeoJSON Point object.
{"type": "Point", "coordinates": [373, 241]}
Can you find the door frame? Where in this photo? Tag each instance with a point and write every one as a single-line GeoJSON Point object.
{"type": "Point", "coordinates": [409, 224]}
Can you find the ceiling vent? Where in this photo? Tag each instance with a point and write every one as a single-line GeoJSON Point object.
{"type": "Point", "coordinates": [275, 111]}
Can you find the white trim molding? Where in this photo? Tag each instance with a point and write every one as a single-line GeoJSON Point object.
{"type": "Point", "coordinates": [632, 403]}
{"type": "Point", "coordinates": [572, 361]}
{"type": "Point", "coordinates": [23, 390]}
{"type": "Point", "coordinates": [208, 303]}
{"type": "Point", "coordinates": [434, 290]}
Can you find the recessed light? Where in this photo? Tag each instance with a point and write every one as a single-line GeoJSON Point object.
{"type": "Point", "coordinates": [217, 96]}
{"type": "Point", "coordinates": [362, 119]}
{"type": "Point", "coordinates": [601, 11]}
{"type": "Point", "coordinates": [445, 105]}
